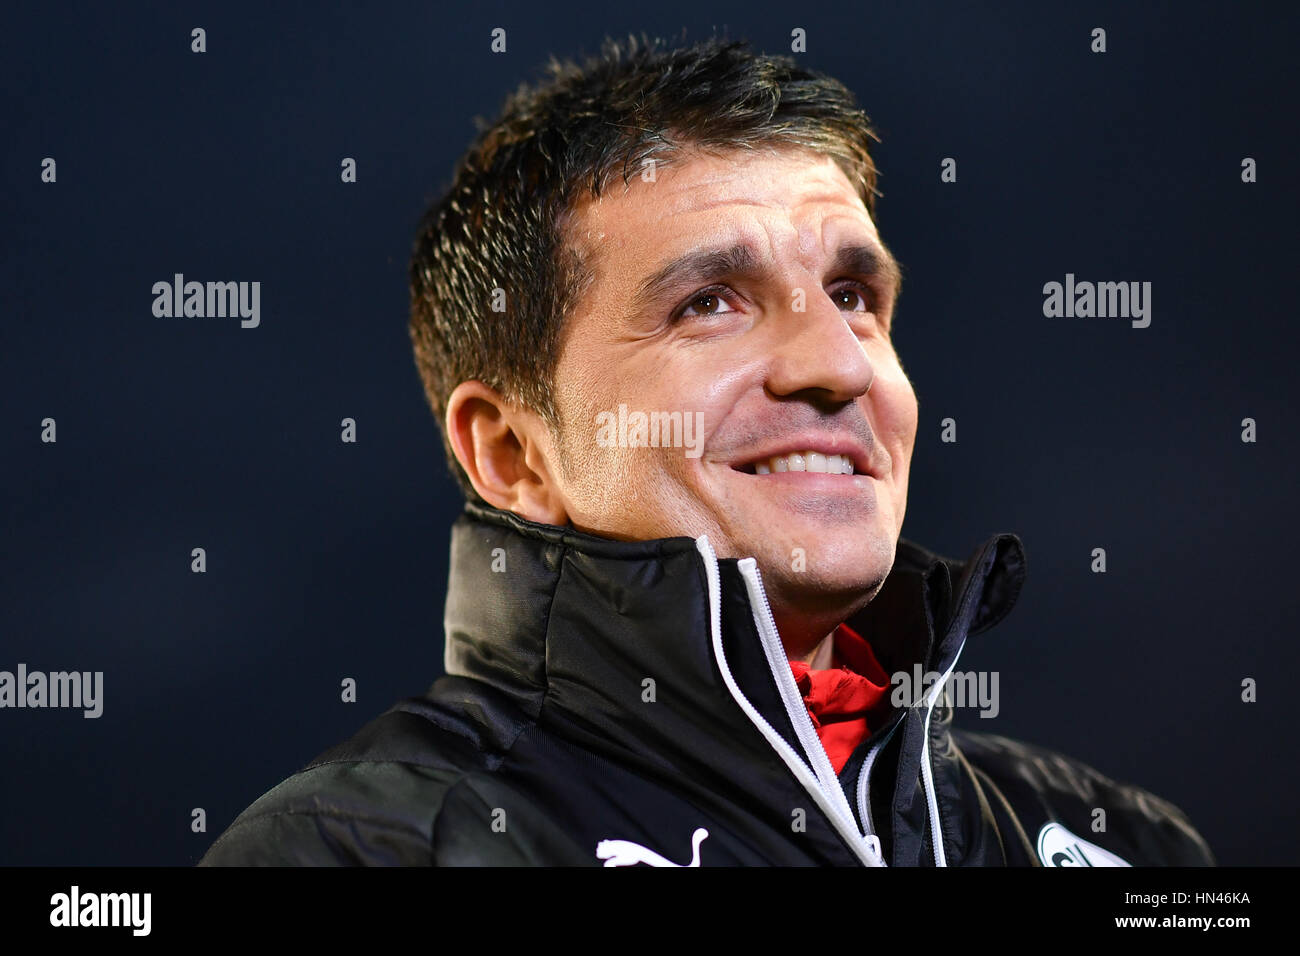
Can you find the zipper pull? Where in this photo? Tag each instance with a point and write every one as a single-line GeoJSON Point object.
{"type": "Point", "coordinates": [873, 845]}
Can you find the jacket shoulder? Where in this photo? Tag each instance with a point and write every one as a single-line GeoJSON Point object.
{"type": "Point", "coordinates": [1044, 787]}
{"type": "Point", "coordinates": [372, 800]}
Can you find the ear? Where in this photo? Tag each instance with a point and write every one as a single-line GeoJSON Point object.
{"type": "Point", "coordinates": [505, 450]}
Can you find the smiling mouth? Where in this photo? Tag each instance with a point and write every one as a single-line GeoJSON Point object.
{"type": "Point", "coordinates": [807, 461]}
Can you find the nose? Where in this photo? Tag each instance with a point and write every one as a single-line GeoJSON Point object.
{"type": "Point", "coordinates": [818, 351]}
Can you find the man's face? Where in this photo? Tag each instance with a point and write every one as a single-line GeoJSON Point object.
{"type": "Point", "coordinates": [784, 352]}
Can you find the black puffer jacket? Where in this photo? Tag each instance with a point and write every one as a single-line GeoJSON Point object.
{"type": "Point", "coordinates": [612, 702]}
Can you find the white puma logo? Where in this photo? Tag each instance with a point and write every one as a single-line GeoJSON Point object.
{"type": "Point", "coordinates": [626, 853]}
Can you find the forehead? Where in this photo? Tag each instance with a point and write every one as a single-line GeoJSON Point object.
{"type": "Point", "coordinates": [797, 202]}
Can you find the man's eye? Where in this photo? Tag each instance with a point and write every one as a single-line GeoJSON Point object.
{"type": "Point", "coordinates": [853, 296]}
{"type": "Point", "coordinates": [706, 303]}
{"type": "Point", "coordinates": [846, 295]}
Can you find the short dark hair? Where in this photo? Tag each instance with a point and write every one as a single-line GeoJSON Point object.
{"type": "Point", "coordinates": [503, 223]}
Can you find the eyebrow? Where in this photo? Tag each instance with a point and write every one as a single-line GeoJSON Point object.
{"type": "Point", "coordinates": [700, 266]}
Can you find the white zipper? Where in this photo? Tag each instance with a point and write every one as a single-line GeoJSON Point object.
{"type": "Point", "coordinates": [777, 661]}
{"type": "Point", "coordinates": [927, 774]}
{"type": "Point", "coordinates": [864, 778]}
{"type": "Point", "coordinates": [829, 798]}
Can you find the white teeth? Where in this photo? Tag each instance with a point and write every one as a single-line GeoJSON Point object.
{"type": "Point", "coordinates": [812, 461]}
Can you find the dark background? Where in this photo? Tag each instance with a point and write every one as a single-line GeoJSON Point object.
{"type": "Point", "coordinates": [328, 560]}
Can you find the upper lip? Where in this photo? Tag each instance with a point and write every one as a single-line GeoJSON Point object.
{"type": "Point", "coordinates": [826, 444]}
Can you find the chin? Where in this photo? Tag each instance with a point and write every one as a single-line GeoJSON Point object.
{"type": "Point", "coordinates": [839, 545]}
{"type": "Point", "coordinates": [827, 569]}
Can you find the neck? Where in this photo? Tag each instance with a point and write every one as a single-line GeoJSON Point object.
{"type": "Point", "coordinates": [821, 656]}
{"type": "Point", "coordinates": [803, 632]}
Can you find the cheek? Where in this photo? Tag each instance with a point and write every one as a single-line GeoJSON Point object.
{"type": "Point", "coordinates": [910, 414]}
{"type": "Point", "coordinates": [603, 472]}
{"type": "Point", "coordinates": [896, 405]}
